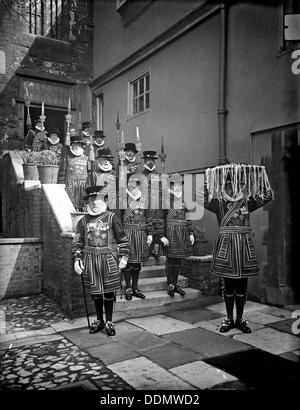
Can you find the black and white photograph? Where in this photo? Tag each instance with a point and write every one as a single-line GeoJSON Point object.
{"type": "Point", "coordinates": [148, 193]}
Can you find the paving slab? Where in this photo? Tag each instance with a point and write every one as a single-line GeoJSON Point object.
{"type": "Point", "coordinates": [125, 328]}
{"type": "Point", "coordinates": [142, 374]}
{"type": "Point", "coordinates": [275, 311]}
{"type": "Point", "coordinates": [202, 375]}
{"type": "Point", "coordinates": [260, 317]}
{"type": "Point", "coordinates": [249, 306]}
{"type": "Point", "coordinates": [205, 342]}
{"type": "Point", "coordinates": [112, 353]}
{"type": "Point", "coordinates": [270, 340]}
{"type": "Point", "coordinates": [31, 341]}
{"type": "Point", "coordinates": [161, 324]}
{"type": "Point", "coordinates": [215, 324]}
{"type": "Point", "coordinates": [172, 355]}
{"type": "Point", "coordinates": [82, 338]}
{"type": "Point", "coordinates": [194, 315]}
{"type": "Point", "coordinates": [35, 333]}
{"type": "Point", "coordinates": [284, 326]}
{"type": "Point", "coordinates": [140, 341]}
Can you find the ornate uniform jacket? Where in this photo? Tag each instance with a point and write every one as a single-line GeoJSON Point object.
{"type": "Point", "coordinates": [137, 225]}
{"type": "Point", "coordinates": [38, 141]}
{"type": "Point", "coordinates": [99, 241]}
{"type": "Point", "coordinates": [178, 231]}
{"type": "Point", "coordinates": [73, 172]}
{"type": "Point", "coordinates": [234, 254]}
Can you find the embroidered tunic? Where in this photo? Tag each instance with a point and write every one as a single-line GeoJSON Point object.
{"type": "Point", "coordinates": [178, 232]}
{"type": "Point", "coordinates": [73, 172]}
{"type": "Point", "coordinates": [234, 254]}
{"type": "Point", "coordinates": [99, 241]}
{"type": "Point", "coordinates": [137, 225]}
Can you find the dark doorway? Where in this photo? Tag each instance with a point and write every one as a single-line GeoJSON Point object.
{"type": "Point", "coordinates": [54, 119]}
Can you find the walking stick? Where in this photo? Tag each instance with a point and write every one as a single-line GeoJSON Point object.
{"type": "Point", "coordinates": [85, 304]}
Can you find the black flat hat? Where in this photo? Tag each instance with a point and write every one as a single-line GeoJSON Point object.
{"type": "Point", "coordinates": [150, 154]}
{"type": "Point", "coordinates": [98, 134]}
{"type": "Point", "coordinates": [85, 124]}
{"type": "Point", "coordinates": [130, 146]}
{"type": "Point", "coordinates": [94, 190]}
{"type": "Point", "coordinates": [76, 139]}
{"type": "Point", "coordinates": [105, 153]}
{"type": "Point", "coordinates": [54, 131]}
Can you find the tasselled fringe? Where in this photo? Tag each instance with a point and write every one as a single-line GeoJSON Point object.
{"type": "Point", "coordinates": [250, 180]}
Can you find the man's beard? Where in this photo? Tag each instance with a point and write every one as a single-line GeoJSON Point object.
{"type": "Point", "coordinates": [99, 209]}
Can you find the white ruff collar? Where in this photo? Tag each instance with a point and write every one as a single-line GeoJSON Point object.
{"type": "Point", "coordinates": [77, 154]}
{"type": "Point", "coordinates": [129, 159]}
{"type": "Point", "coordinates": [232, 199]}
{"type": "Point", "coordinates": [53, 142]}
{"type": "Point", "coordinates": [99, 145]}
{"type": "Point", "coordinates": [90, 212]}
{"type": "Point", "coordinates": [150, 169]}
{"type": "Point", "coordinates": [86, 133]}
{"type": "Point", "coordinates": [105, 168]}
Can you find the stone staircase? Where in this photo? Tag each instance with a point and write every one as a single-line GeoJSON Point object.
{"type": "Point", "coordinates": [153, 284]}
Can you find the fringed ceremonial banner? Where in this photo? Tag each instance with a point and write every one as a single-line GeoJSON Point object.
{"type": "Point", "coordinates": [248, 180]}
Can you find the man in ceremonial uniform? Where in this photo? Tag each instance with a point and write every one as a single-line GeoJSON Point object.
{"type": "Point", "coordinates": [138, 226]}
{"type": "Point", "coordinates": [231, 192]}
{"type": "Point", "coordinates": [100, 250]}
{"type": "Point", "coordinates": [130, 157]}
{"type": "Point", "coordinates": [160, 242]}
{"type": "Point", "coordinates": [180, 234]}
{"type": "Point", "coordinates": [73, 171]}
{"type": "Point", "coordinates": [52, 143]}
{"type": "Point", "coordinates": [29, 137]}
{"type": "Point", "coordinates": [40, 136]}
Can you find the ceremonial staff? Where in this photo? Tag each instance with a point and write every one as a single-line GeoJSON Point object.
{"type": "Point", "coordinates": [68, 118]}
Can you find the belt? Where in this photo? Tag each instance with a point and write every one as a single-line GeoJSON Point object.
{"type": "Point", "coordinates": [135, 227]}
{"type": "Point", "coordinates": [176, 222]}
{"type": "Point", "coordinates": [94, 250]}
{"type": "Point", "coordinates": [235, 229]}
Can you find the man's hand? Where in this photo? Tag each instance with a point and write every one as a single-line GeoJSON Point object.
{"type": "Point", "coordinates": [123, 263]}
{"type": "Point", "coordinates": [78, 267]}
{"type": "Point", "coordinates": [149, 239]}
{"type": "Point", "coordinates": [192, 239]}
{"type": "Point", "coordinates": [164, 240]}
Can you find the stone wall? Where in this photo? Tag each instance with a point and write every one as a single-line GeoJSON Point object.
{"type": "Point", "coordinates": [20, 267]}
{"type": "Point", "coordinates": [196, 268]}
{"type": "Point", "coordinates": [68, 60]}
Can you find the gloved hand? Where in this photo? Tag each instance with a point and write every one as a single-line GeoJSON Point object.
{"type": "Point", "coordinates": [164, 240]}
{"type": "Point", "coordinates": [149, 239]}
{"type": "Point", "coordinates": [192, 239]}
{"type": "Point", "coordinates": [122, 263]}
{"type": "Point", "coordinates": [78, 266]}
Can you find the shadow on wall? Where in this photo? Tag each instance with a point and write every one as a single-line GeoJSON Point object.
{"type": "Point", "coordinates": [20, 267]}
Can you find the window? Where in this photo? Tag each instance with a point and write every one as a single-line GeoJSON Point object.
{"type": "Point", "coordinates": [45, 17]}
{"type": "Point", "coordinates": [289, 7]}
{"type": "Point", "coordinates": [140, 94]}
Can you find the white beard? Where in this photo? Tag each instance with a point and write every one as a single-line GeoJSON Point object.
{"type": "Point", "coordinates": [105, 168]}
{"type": "Point", "coordinates": [150, 169]}
{"type": "Point", "coordinates": [97, 211]}
{"type": "Point", "coordinates": [129, 159]}
{"type": "Point", "coordinates": [78, 152]}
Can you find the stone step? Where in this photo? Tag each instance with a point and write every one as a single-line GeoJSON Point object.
{"type": "Point", "coordinates": [159, 283]}
{"type": "Point", "coordinates": [152, 271]}
{"type": "Point", "coordinates": [155, 299]}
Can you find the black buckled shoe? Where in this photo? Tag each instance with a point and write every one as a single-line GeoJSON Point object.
{"type": "Point", "coordinates": [242, 325]}
{"type": "Point", "coordinates": [138, 294]}
{"type": "Point", "coordinates": [96, 326]}
{"type": "Point", "coordinates": [128, 294]}
{"type": "Point", "coordinates": [227, 325]}
{"type": "Point", "coordinates": [171, 289]}
{"type": "Point", "coordinates": [178, 289]}
{"type": "Point", "coordinates": [110, 329]}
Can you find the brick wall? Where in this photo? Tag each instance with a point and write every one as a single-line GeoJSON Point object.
{"type": "Point", "coordinates": [20, 267]}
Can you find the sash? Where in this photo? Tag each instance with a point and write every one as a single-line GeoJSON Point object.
{"type": "Point", "coordinates": [229, 214]}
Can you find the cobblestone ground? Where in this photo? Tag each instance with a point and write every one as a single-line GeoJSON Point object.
{"type": "Point", "coordinates": [29, 313]}
{"type": "Point", "coordinates": [50, 365]}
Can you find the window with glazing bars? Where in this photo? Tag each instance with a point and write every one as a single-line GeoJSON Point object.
{"type": "Point", "coordinates": [140, 94]}
{"type": "Point", "coordinates": [45, 17]}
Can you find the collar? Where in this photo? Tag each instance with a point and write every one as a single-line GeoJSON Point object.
{"type": "Point", "coordinates": [232, 199]}
{"type": "Point", "coordinates": [90, 212]}
{"type": "Point", "coordinates": [176, 194]}
{"type": "Point", "coordinates": [150, 169]}
{"type": "Point", "coordinates": [76, 154]}
{"type": "Point", "coordinates": [99, 145]}
{"type": "Point", "coordinates": [136, 196]}
{"type": "Point", "coordinates": [51, 141]}
{"type": "Point", "coordinates": [130, 160]}
{"type": "Point", "coordinates": [106, 168]}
